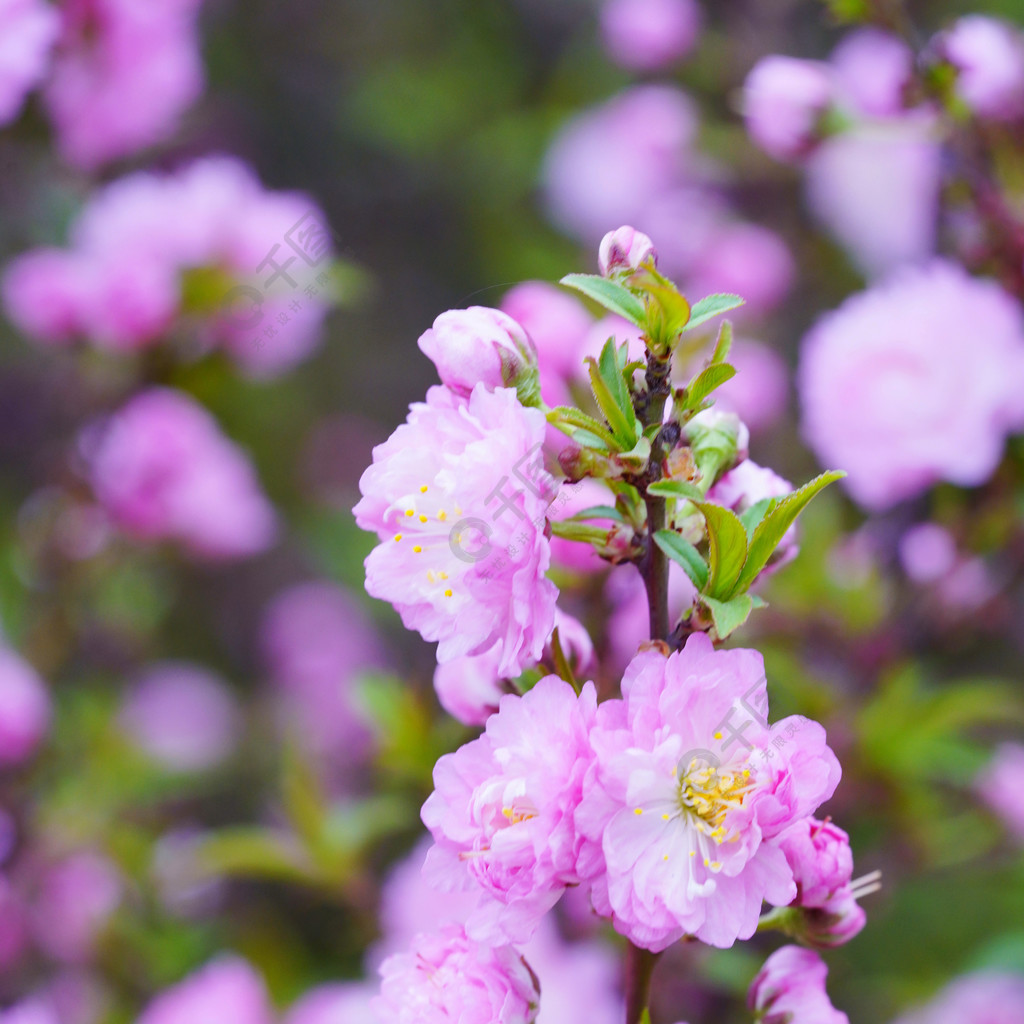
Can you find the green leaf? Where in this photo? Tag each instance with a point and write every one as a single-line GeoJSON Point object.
{"type": "Point", "coordinates": [723, 346]}
{"type": "Point", "coordinates": [754, 515]}
{"type": "Point", "coordinates": [600, 512]}
{"type": "Point", "coordinates": [708, 380]}
{"type": "Point", "coordinates": [727, 541]}
{"type": "Point", "coordinates": [611, 372]}
{"type": "Point", "coordinates": [670, 314]}
{"type": "Point", "coordinates": [710, 307]}
{"type": "Point", "coordinates": [685, 554]}
{"type": "Point", "coordinates": [675, 489]}
{"type": "Point", "coordinates": [773, 527]}
{"type": "Point", "coordinates": [589, 439]}
{"type": "Point", "coordinates": [728, 616]}
{"type": "Point", "coordinates": [615, 297]}
{"type": "Point", "coordinates": [577, 418]}
{"type": "Point", "coordinates": [571, 529]}
{"type": "Point", "coordinates": [621, 422]}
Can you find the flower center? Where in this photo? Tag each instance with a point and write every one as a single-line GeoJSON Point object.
{"type": "Point", "coordinates": [709, 792]}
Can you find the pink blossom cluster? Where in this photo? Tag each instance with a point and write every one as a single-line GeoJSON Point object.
{"type": "Point", "coordinates": [162, 470]}
{"type": "Point", "coordinates": [116, 75]}
{"type": "Point", "coordinates": [634, 160]}
{"type": "Point", "coordinates": [913, 382]}
{"type": "Point", "coordinates": [203, 257]}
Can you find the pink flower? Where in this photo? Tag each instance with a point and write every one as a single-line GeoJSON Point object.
{"type": "Point", "coordinates": [1001, 786]}
{"type": "Point", "coordinates": [449, 979]}
{"type": "Point", "coordinates": [182, 716]}
{"type": "Point", "coordinates": [609, 163]}
{"type": "Point", "coordinates": [341, 1003]}
{"type": "Point", "coordinates": [163, 471]}
{"type": "Point", "coordinates": [479, 346]}
{"type": "Point", "coordinates": [227, 989]}
{"type": "Point", "coordinates": [625, 251]}
{"type": "Point", "coordinates": [819, 855]}
{"type": "Point", "coordinates": [502, 809]}
{"type": "Point", "coordinates": [689, 794]}
{"type": "Point", "coordinates": [205, 248]}
{"type": "Point", "coordinates": [791, 987]}
{"type": "Point", "coordinates": [645, 35]}
{"type": "Point", "coordinates": [572, 499]}
{"type": "Point", "coordinates": [783, 101]}
{"type": "Point", "coordinates": [927, 552]}
{"type": "Point", "coordinates": [28, 29]}
{"type": "Point", "coordinates": [25, 708]}
{"type": "Point", "coordinates": [123, 75]}
{"type": "Point", "coordinates": [873, 70]}
{"type": "Point", "coordinates": [744, 259]}
{"type": "Point", "coordinates": [879, 377]}
{"type": "Point", "coordinates": [457, 497]}
{"type": "Point", "coordinates": [986, 997]}
{"type": "Point", "coordinates": [759, 392]}
{"type": "Point", "coordinates": [34, 1010]}
{"type": "Point", "coordinates": [989, 57]}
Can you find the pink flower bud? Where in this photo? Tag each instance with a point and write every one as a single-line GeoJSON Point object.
{"type": "Point", "coordinates": [791, 987]}
{"type": "Point", "coordinates": [989, 56]}
{"type": "Point", "coordinates": [625, 251]}
{"type": "Point", "coordinates": [834, 923]}
{"type": "Point", "coordinates": [24, 708]}
{"type": "Point", "coordinates": [479, 345]}
{"type": "Point", "coordinates": [784, 99]}
{"type": "Point", "coordinates": [819, 854]}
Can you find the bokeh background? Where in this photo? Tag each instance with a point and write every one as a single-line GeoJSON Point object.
{"type": "Point", "coordinates": [231, 763]}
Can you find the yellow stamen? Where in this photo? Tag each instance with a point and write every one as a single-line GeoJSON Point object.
{"type": "Point", "coordinates": [398, 537]}
{"type": "Point", "coordinates": [447, 593]}
{"type": "Point", "coordinates": [417, 548]}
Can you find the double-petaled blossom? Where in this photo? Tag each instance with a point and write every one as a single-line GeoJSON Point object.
{"type": "Point", "coordinates": [480, 346]}
{"type": "Point", "coordinates": [447, 978]}
{"type": "Point", "coordinates": [790, 989]}
{"type": "Point", "coordinates": [689, 793]}
{"type": "Point", "coordinates": [914, 382]}
{"type": "Point", "coordinates": [162, 470]}
{"type": "Point", "coordinates": [457, 496]}
{"type": "Point", "coordinates": [28, 30]}
{"type": "Point", "coordinates": [502, 810]}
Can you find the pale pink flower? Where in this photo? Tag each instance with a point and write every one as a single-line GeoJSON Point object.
{"type": "Point", "coordinates": [339, 1003]}
{"type": "Point", "coordinates": [25, 708]}
{"type": "Point", "coordinates": [447, 978]}
{"type": "Point", "coordinates": [989, 57]}
{"type": "Point", "coordinates": [227, 989]}
{"type": "Point", "coordinates": [123, 75]}
{"type": "Point", "coordinates": [162, 470]}
{"type": "Point", "coordinates": [1001, 786]}
{"type": "Point", "coordinates": [928, 552]}
{"type": "Point", "coordinates": [502, 809]}
{"type": "Point", "coordinates": [28, 29]}
{"type": "Point", "coordinates": [872, 72]}
{"type": "Point", "coordinates": [34, 1010]}
{"type": "Point", "coordinates": [759, 392]}
{"type": "Point", "coordinates": [457, 496]}
{"type": "Point", "coordinates": [783, 101]}
{"type": "Point", "coordinates": [181, 715]}
{"type": "Point", "coordinates": [985, 997]}
{"type": "Point", "coordinates": [624, 251]}
{"type": "Point", "coordinates": [820, 857]}
{"type": "Point", "coordinates": [913, 382]}
{"type": "Point", "coordinates": [478, 346]}
{"type": "Point", "coordinates": [645, 35]}
{"type": "Point", "coordinates": [791, 987]}
{"type": "Point", "coordinates": [608, 164]}
{"type": "Point", "coordinates": [689, 793]}
{"type": "Point", "coordinates": [876, 187]}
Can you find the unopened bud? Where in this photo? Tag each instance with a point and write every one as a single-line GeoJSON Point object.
{"type": "Point", "coordinates": [625, 251]}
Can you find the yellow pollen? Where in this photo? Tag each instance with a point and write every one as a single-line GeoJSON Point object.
{"type": "Point", "coordinates": [447, 593]}
{"type": "Point", "coordinates": [417, 548]}
{"type": "Point", "coordinates": [639, 810]}
{"type": "Point", "coordinates": [443, 575]}
{"type": "Point", "coordinates": [398, 537]}
{"type": "Point", "coordinates": [693, 853]}
{"type": "Point", "coordinates": [442, 515]}
{"type": "Point", "coordinates": [423, 518]}
{"type": "Point", "coordinates": [718, 735]}
{"type": "Point", "coordinates": [746, 773]}
{"type": "Point", "coordinates": [431, 576]}
{"type": "Point", "coordinates": [707, 863]}
{"type": "Point", "coordinates": [715, 865]}
{"type": "Point", "coordinates": [423, 489]}
{"type": "Point", "coordinates": [664, 817]}
{"type": "Point", "coordinates": [410, 512]}
{"type": "Point", "coordinates": [665, 857]}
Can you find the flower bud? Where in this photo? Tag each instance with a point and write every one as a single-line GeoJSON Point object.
{"type": "Point", "coordinates": [791, 987]}
{"type": "Point", "coordinates": [625, 251]}
{"type": "Point", "coordinates": [819, 855]}
{"type": "Point", "coordinates": [832, 924]}
{"type": "Point", "coordinates": [719, 441]}
{"type": "Point", "coordinates": [480, 345]}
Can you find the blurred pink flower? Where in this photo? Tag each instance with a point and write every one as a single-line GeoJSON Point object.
{"type": "Point", "coordinates": [73, 904]}
{"type": "Point", "coordinates": [25, 708]}
{"type": "Point", "coordinates": [872, 72]}
{"type": "Point", "coordinates": [457, 498]}
{"type": "Point", "coordinates": [205, 247]}
{"type": "Point", "coordinates": [879, 377]}
{"type": "Point", "coordinates": [123, 75]}
{"type": "Point", "coordinates": [181, 715]}
{"type": "Point", "coordinates": [875, 187]}
{"type": "Point", "coordinates": [446, 978]}
{"type": "Point", "coordinates": [227, 989]}
{"type": "Point", "coordinates": [682, 821]}
{"type": "Point", "coordinates": [927, 552]}
{"type": "Point", "coordinates": [791, 987]}
{"type": "Point", "coordinates": [985, 997]}
{"type": "Point", "coordinates": [645, 35]}
{"type": "Point", "coordinates": [783, 101]}
{"type": "Point", "coordinates": [989, 57]}
{"type": "Point", "coordinates": [14, 929]}
{"type": "Point", "coordinates": [163, 471]}
{"type": "Point", "coordinates": [1001, 786]}
{"type": "Point", "coordinates": [339, 1003]}
{"type": "Point", "coordinates": [759, 392]}
{"type": "Point", "coordinates": [28, 30]}
{"type": "Point", "coordinates": [502, 810]}
{"type": "Point", "coordinates": [34, 1010]}
{"type": "Point", "coordinates": [609, 163]}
